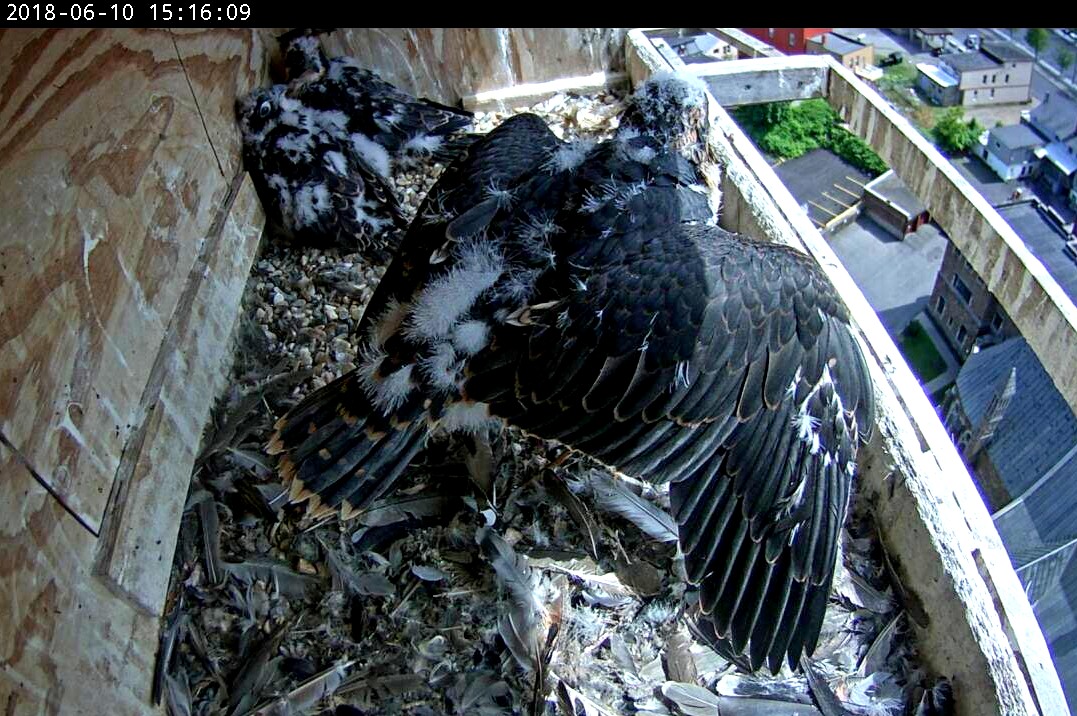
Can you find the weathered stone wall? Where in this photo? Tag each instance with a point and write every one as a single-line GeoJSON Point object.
{"type": "Point", "coordinates": [448, 64]}
{"type": "Point", "coordinates": [1034, 301]}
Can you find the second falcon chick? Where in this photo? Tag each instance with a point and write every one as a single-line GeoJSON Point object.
{"type": "Point", "coordinates": [314, 186]}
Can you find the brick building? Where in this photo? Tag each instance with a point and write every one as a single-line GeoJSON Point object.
{"type": "Point", "coordinates": [964, 310]}
{"type": "Point", "coordinates": [889, 202]}
{"type": "Point", "coordinates": [967, 313]}
{"type": "Point", "coordinates": [847, 50]}
{"type": "Point", "coordinates": [790, 40]}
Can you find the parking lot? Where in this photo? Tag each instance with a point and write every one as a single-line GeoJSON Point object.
{"type": "Point", "coordinates": [896, 276]}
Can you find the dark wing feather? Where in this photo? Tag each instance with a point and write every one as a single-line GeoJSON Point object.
{"type": "Point", "coordinates": [513, 150]}
{"type": "Point", "coordinates": [728, 367]}
{"type": "Point", "coordinates": [624, 326]}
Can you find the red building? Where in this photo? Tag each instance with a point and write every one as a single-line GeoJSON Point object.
{"type": "Point", "coordinates": [790, 40]}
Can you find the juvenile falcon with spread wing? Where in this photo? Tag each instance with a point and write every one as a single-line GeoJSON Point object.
{"type": "Point", "coordinates": [581, 292]}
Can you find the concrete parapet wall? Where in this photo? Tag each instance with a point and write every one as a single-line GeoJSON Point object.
{"type": "Point", "coordinates": [971, 616]}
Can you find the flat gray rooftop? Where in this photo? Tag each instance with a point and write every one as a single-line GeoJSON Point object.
{"type": "Point", "coordinates": [839, 44]}
{"type": "Point", "coordinates": [814, 179]}
{"type": "Point", "coordinates": [1045, 239]}
{"type": "Point", "coordinates": [896, 276]}
{"type": "Point", "coordinates": [971, 61]}
{"type": "Point", "coordinates": [890, 188]}
{"type": "Point", "coordinates": [1017, 135]}
{"type": "Point", "coordinates": [1005, 52]}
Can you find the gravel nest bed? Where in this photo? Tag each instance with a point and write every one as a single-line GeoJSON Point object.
{"type": "Point", "coordinates": [451, 598]}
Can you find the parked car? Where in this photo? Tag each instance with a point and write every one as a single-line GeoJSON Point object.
{"type": "Point", "coordinates": [894, 58]}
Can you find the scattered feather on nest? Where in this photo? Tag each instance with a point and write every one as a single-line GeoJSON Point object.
{"type": "Point", "coordinates": [615, 496]}
{"type": "Point", "coordinates": [307, 695]}
{"type": "Point", "coordinates": [691, 700]}
{"type": "Point", "coordinates": [397, 509]}
{"type": "Point", "coordinates": [574, 703]}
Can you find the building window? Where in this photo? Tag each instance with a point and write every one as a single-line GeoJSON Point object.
{"type": "Point", "coordinates": [994, 78]}
{"type": "Point", "coordinates": [962, 334]}
{"type": "Point", "coordinates": [1006, 79]}
{"type": "Point", "coordinates": [940, 305]}
{"type": "Point", "coordinates": [992, 91]}
{"type": "Point", "coordinates": [962, 289]}
{"type": "Point", "coordinates": [985, 79]}
{"type": "Point", "coordinates": [770, 32]}
{"type": "Point", "coordinates": [792, 40]}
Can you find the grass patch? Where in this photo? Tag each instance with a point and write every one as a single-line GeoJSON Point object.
{"type": "Point", "coordinates": [900, 76]}
{"type": "Point", "coordinates": [920, 353]}
{"type": "Point", "coordinates": [898, 84]}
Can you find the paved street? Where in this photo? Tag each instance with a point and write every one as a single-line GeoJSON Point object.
{"type": "Point", "coordinates": [987, 182]}
{"type": "Point", "coordinates": [1056, 42]}
{"type": "Point", "coordinates": [1046, 76]}
{"type": "Point", "coordinates": [897, 278]}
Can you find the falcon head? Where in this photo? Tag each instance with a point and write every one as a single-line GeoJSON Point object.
{"type": "Point", "coordinates": [672, 108]}
{"type": "Point", "coordinates": [304, 59]}
{"type": "Point", "coordinates": [303, 55]}
{"type": "Point", "coordinates": [258, 112]}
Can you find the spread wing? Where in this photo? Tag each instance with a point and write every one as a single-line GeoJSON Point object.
{"type": "Point", "coordinates": [576, 292]}
{"type": "Point", "coordinates": [490, 166]}
{"type": "Point", "coordinates": [686, 353]}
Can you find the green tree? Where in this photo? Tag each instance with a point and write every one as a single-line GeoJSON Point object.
{"type": "Point", "coordinates": [789, 129]}
{"type": "Point", "coordinates": [1036, 37]}
{"type": "Point", "coordinates": [1065, 60]}
{"type": "Point", "coordinates": [954, 134]}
